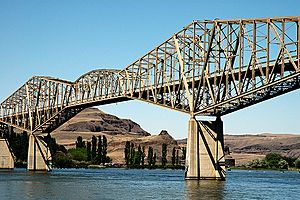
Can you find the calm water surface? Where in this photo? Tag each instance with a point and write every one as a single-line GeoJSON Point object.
{"type": "Point", "coordinates": [146, 184]}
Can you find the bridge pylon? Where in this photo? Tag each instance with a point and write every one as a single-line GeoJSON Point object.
{"type": "Point", "coordinates": [205, 150]}
{"type": "Point", "coordinates": [6, 157]}
{"type": "Point", "coordinates": [39, 156]}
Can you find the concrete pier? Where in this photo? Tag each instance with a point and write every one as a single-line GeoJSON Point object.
{"type": "Point", "coordinates": [205, 150]}
{"type": "Point", "coordinates": [39, 156]}
{"type": "Point", "coordinates": [6, 156]}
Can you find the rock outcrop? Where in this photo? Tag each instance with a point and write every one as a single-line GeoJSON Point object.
{"type": "Point", "coordinates": [94, 120]}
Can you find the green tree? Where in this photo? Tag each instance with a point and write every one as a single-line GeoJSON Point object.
{"type": "Point", "coordinates": [127, 153]}
{"type": "Point", "coordinates": [53, 146]}
{"type": "Point", "coordinates": [143, 156]}
{"type": "Point", "coordinates": [164, 154]}
{"type": "Point", "coordinates": [80, 143]}
{"type": "Point", "coordinates": [290, 161]}
{"type": "Point", "coordinates": [51, 143]}
{"type": "Point", "coordinates": [61, 160]}
{"type": "Point", "coordinates": [257, 164]}
{"type": "Point", "coordinates": [177, 158]}
{"type": "Point", "coordinates": [272, 160]}
{"type": "Point", "coordinates": [154, 160]}
{"type": "Point", "coordinates": [183, 157]}
{"type": "Point", "coordinates": [24, 142]}
{"type": "Point", "coordinates": [94, 149]}
{"type": "Point", "coordinates": [138, 156]}
{"type": "Point", "coordinates": [150, 156]}
{"type": "Point", "coordinates": [283, 164]}
{"type": "Point", "coordinates": [79, 154]}
{"type": "Point", "coordinates": [297, 163]}
{"type": "Point", "coordinates": [12, 140]}
{"type": "Point", "coordinates": [173, 156]}
{"type": "Point", "coordinates": [132, 153]}
{"type": "Point", "coordinates": [99, 150]}
{"type": "Point", "coordinates": [104, 151]}
{"type": "Point", "coordinates": [18, 143]}
{"type": "Point", "coordinates": [88, 148]}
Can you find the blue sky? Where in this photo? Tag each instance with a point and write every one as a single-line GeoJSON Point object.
{"type": "Point", "coordinates": [68, 38]}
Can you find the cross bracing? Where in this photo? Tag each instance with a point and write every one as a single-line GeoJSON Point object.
{"type": "Point", "coordinates": [210, 67]}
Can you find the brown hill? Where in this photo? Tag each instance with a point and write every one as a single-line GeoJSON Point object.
{"type": "Point", "coordinates": [92, 121]}
{"type": "Point", "coordinates": [245, 148]}
{"type": "Point", "coordinates": [262, 144]}
{"type": "Point", "coordinates": [284, 144]}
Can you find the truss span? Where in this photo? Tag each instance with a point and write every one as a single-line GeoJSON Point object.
{"type": "Point", "coordinates": [210, 67]}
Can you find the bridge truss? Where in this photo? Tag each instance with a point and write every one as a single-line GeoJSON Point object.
{"type": "Point", "coordinates": [210, 67]}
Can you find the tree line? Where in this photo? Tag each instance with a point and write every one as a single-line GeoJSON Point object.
{"type": "Point", "coordinates": [85, 153]}
{"type": "Point", "coordinates": [135, 158]}
{"type": "Point", "coordinates": [96, 150]}
{"type": "Point", "coordinates": [274, 161]}
{"type": "Point", "coordinates": [18, 144]}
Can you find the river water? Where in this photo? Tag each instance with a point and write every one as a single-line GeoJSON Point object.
{"type": "Point", "coordinates": [146, 184]}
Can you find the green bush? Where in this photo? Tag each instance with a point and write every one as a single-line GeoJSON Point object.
{"type": "Point", "coordinates": [283, 164]}
{"type": "Point", "coordinates": [273, 159]}
{"type": "Point", "coordinates": [61, 160]}
{"type": "Point", "coordinates": [80, 164]}
{"type": "Point", "coordinates": [257, 164]}
{"type": "Point", "coordinates": [297, 163]}
{"type": "Point", "coordinates": [79, 154]}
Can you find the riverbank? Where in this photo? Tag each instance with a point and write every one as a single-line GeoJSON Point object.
{"type": "Point", "coordinates": [265, 169]}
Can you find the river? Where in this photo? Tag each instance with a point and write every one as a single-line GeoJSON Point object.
{"type": "Point", "coordinates": [146, 184]}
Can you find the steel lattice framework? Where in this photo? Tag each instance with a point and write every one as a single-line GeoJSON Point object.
{"type": "Point", "coordinates": [210, 67]}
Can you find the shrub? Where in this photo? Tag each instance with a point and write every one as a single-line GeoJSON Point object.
{"type": "Point", "coordinates": [61, 160]}
{"type": "Point", "coordinates": [257, 164]}
{"type": "Point", "coordinates": [272, 159]}
{"type": "Point", "coordinates": [297, 163]}
{"type": "Point", "coordinates": [79, 154]}
{"type": "Point", "coordinates": [283, 164]}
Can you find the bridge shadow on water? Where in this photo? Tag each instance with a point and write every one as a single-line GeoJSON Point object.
{"type": "Point", "coordinates": [204, 189]}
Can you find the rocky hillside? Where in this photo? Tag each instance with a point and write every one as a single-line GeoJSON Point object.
{"type": "Point", "coordinates": [284, 144]}
{"type": "Point", "coordinates": [92, 121]}
{"type": "Point", "coordinates": [245, 148]}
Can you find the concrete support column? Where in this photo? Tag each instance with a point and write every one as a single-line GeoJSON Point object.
{"type": "Point", "coordinates": [205, 150]}
{"type": "Point", "coordinates": [39, 156]}
{"type": "Point", "coordinates": [6, 156]}
{"type": "Point", "coordinates": [192, 169]}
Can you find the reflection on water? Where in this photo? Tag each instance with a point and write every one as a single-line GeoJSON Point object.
{"type": "Point", "coordinates": [146, 184]}
{"type": "Point", "coordinates": [204, 189]}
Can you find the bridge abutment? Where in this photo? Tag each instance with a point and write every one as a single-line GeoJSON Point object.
{"type": "Point", "coordinates": [205, 150]}
{"type": "Point", "coordinates": [6, 157]}
{"type": "Point", "coordinates": [39, 156]}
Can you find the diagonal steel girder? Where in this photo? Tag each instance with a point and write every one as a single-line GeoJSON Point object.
{"type": "Point", "coordinates": [210, 67]}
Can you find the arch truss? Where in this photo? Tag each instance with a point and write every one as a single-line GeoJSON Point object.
{"type": "Point", "coordinates": [210, 67]}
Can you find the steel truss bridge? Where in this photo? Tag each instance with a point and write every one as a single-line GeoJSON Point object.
{"type": "Point", "coordinates": [210, 67]}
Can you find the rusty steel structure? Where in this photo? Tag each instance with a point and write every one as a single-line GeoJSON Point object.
{"type": "Point", "coordinates": [210, 67]}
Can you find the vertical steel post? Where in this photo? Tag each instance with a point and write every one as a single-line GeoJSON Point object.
{"type": "Point", "coordinates": [298, 40]}
{"type": "Point", "coordinates": [282, 48]}
{"type": "Point", "coordinates": [268, 52]}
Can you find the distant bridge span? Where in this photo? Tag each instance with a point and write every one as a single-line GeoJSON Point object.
{"type": "Point", "coordinates": [210, 67]}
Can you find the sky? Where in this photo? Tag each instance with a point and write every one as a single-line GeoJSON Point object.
{"type": "Point", "coordinates": [66, 39]}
